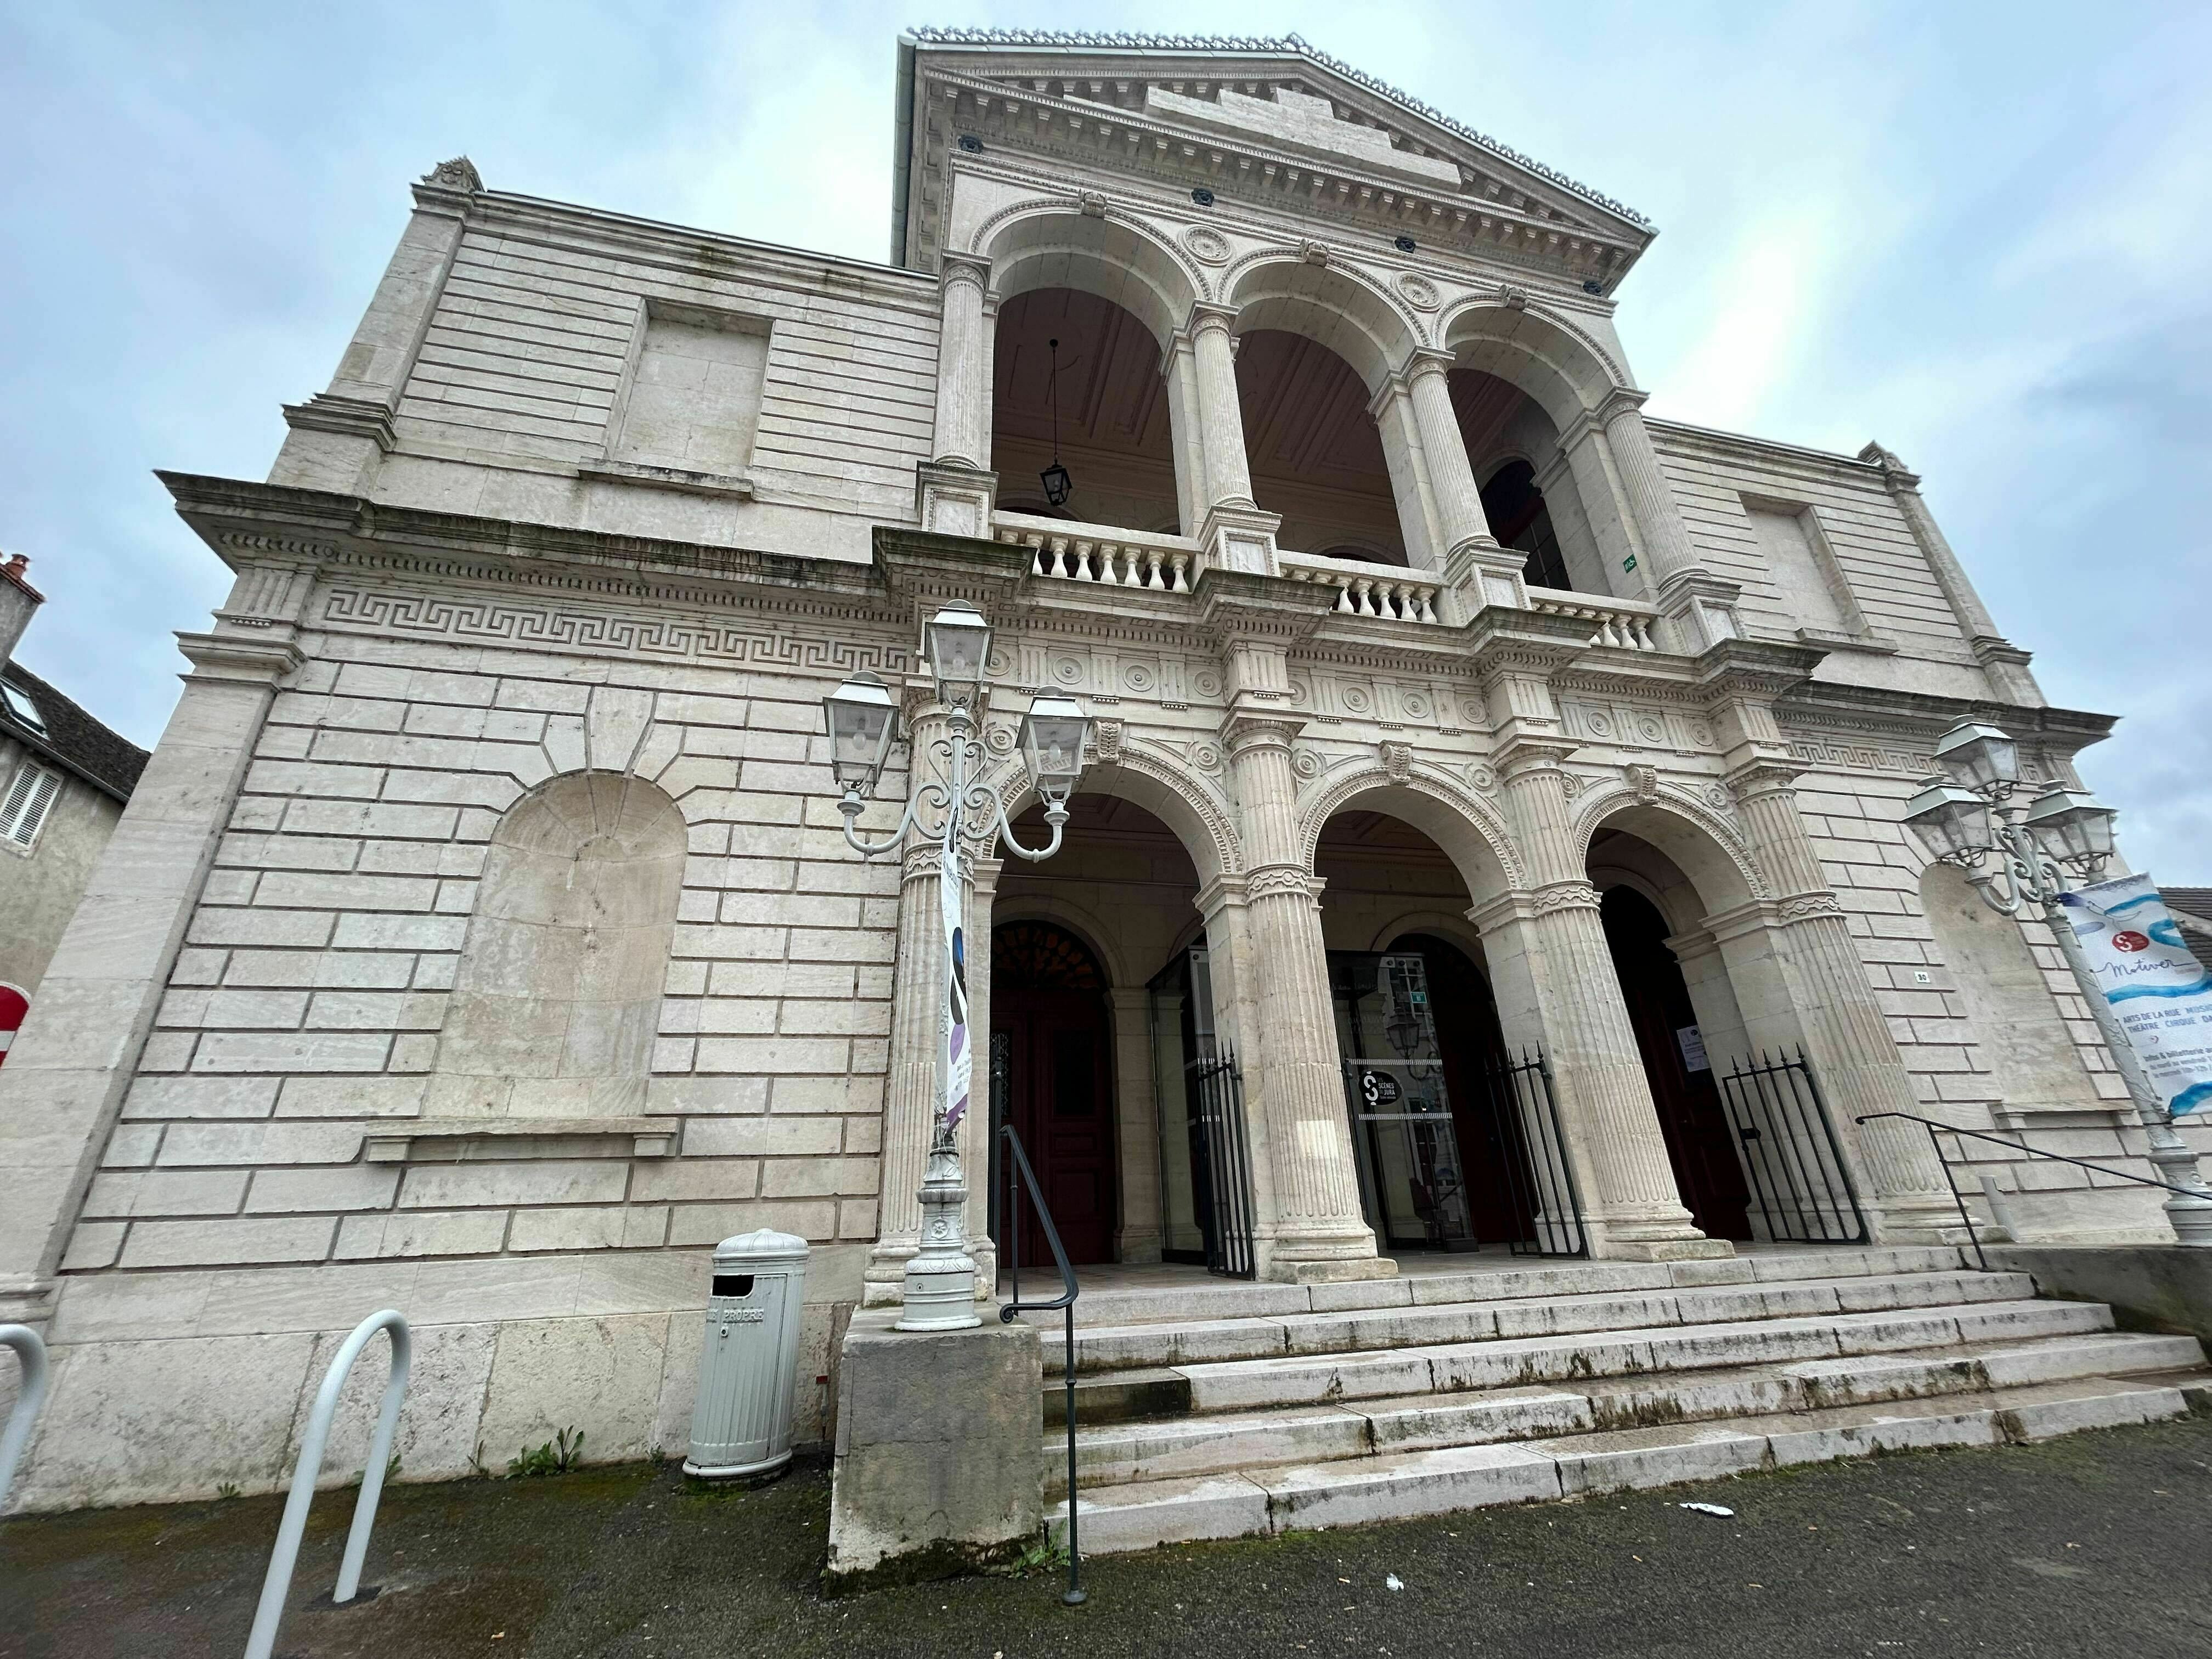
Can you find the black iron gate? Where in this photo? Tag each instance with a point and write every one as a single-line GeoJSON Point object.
{"type": "Point", "coordinates": [1215, 1089]}
{"type": "Point", "coordinates": [1798, 1177]}
{"type": "Point", "coordinates": [1532, 1148]}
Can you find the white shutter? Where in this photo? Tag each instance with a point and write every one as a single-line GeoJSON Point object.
{"type": "Point", "coordinates": [29, 798]}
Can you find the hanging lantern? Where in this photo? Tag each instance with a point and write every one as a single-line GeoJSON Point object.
{"type": "Point", "coordinates": [2071, 826]}
{"type": "Point", "coordinates": [1980, 758]}
{"type": "Point", "coordinates": [959, 641]}
{"type": "Point", "coordinates": [1954, 823]}
{"type": "Point", "coordinates": [1058, 486]}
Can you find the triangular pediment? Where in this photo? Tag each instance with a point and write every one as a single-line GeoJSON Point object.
{"type": "Point", "coordinates": [1269, 116]}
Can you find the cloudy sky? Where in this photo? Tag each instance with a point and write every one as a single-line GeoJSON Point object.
{"type": "Point", "coordinates": [1978, 233]}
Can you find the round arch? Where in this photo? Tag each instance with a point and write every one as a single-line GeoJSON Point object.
{"type": "Point", "coordinates": [1562, 369]}
{"type": "Point", "coordinates": [1198, 819]}
{"type": "Point", "coordinates": [1329, 306]}
{"type": "Point", "coordinates": [1698, 842]}
{"type": "Point", "coordinates": [1056, 244]}
{"type": "Point", "coordinates": [1077, 921]}
{"type": "Point", "coordinates": [1456, 929]}
{"type": "Point", "coordinates": [1468, 832]}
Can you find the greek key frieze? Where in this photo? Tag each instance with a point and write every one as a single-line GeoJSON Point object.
{"type": "Point", "coordinates": [602, 632]}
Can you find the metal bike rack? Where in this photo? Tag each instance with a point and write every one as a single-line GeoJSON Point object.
{"type": "Point", "coordinates": [31, 1350]}
{"type": "Point", "coordinates": [286, 1556]}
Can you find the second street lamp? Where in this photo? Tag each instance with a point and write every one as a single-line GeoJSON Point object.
{"type": "Point", "coordinates": [1968, 821]}
{"type": "Point", "coordinates": [940, 1289]}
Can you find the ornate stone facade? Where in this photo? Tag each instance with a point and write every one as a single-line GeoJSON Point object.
{"type": "Point", "coordinates": [501, 567]}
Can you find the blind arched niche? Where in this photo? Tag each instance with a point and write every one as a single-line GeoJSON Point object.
{"type": "Point", "coordinates": [2024, 1039]}
{"type": "Point", "coordinates": [558, 995]}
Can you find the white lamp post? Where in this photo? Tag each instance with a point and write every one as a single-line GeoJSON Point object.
{"type": "Point", "coordinates": [1964, 820]}
{"type": "Point", "coordinates": [940, 1292]}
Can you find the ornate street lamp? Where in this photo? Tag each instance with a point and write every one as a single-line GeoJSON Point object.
{"type": "Point", "coordinates": [939, 1290]}
{"type": "Point", "coordinates": [1965, 820]}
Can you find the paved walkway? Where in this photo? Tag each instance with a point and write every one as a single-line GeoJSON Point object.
{"type": "Point", "coordinates": [2100, 1544]}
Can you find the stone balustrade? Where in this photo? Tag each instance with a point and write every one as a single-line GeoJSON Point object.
{"type": "Point", "coordinates": [1624, 624]}
{"type": "Point", "coordinates": [1100, 553]}
{"type": "Point", "coordinates": [1389, 591]}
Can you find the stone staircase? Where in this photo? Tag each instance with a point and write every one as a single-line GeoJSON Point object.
{"type": "Point", "coordinates": [1224, 1410]}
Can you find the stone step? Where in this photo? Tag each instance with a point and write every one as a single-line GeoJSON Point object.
{"type": "Point", "coordinates": [1510, 1279]}
{"type": "Point", "coordinates": [1462, 1367]}
{"type": "Point", "coordinates": [1395, 1485]}
{"type": "Point", "coordinates": [1194, 1446]}
{"type": "Point", "coordinates": [1201, 1341]}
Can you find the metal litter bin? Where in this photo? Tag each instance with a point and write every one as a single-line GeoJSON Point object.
{"type": "Point", "coordinates": [748, 1368]}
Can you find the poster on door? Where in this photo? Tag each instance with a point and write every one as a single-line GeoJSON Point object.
{"type": "Point", "coordinates": [960, 1063]}
{"type": "Point", "coordinates": [2158, 991]}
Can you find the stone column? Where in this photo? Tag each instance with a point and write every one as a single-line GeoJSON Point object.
{"type": "Point", "coordinates": [917, 998]}
{"type": "Point", "coordinates": [1137, 1127]}
{"type": "Point", "coordinates": [1314, 1229]}
{"type": "Point", "coordinates": [1411, 488]}
{"type": "Point", "coordinates": [2003, 662]}
{"type": "Point", "coordinates": [962, 432]}
{"type": "Point", "coordinates": [1220, 415]}
{"type": "Point", "coordinates": [1459, 500]}
{"type": "Point", "coordinates": [74, 1059]}
{"type": "Point", "coordinates": [977, 1147]}
{"type": "Point", "coordinates": [1846, 1036]}
{"type": "Point", "coordinates": [1701, 604]}
{"type": "Point", "coordinates": [1605, 1097]}
{"type": "Point", "coordinates": [1185, 431]}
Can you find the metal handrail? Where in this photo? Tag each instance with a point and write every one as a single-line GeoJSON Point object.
{"type": "Point", "coordinates": [30, 1400]}
{"type": "Point", "coordinates": [278, 1583]}
{"type": "Point", "coordinates": [1011, 1233]}
{"type": "Point", "coordinates": [1934, 1127]}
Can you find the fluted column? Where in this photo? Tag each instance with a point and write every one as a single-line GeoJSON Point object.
{"type": "Point", "coordinates": [1221, 418]}
{"type": "Point", "coordinates": [917, 1000]}
{"type": "Point", "coordinates": [1312, 1229]}
{"type": "Point", "coordinates": [1846, 1036]}
{"type": "Point", "coordinates": [1635, 1209]}
{"type": "Point", "coordinates": [962, 432]}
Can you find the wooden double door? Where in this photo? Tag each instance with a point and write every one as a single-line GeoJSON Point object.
{"type": "Point", "coordinates": [1699, 1144]}
{"type": "Point", "coordinates": [1051, 1051]}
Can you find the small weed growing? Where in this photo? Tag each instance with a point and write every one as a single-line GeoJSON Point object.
{"type": "Point", "coordinates": [227, 1489]}
{"type": "Point", "coordinates": [556, 1456]}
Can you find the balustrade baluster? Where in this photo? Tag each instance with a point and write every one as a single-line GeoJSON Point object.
{"type": "Point", "coordinates": [1179, 586]}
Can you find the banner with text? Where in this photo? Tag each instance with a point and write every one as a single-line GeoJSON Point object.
{"type": "Point", "coordinates": [960, 1063]}
{"type": "Point", "coordinates": [2158, 990]}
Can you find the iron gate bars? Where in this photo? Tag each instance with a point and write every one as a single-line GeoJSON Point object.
{"type": "Point", "coordinates": [1532, 1150]}
{"type": "Point", "coordinates": [1217, 1086]}
{"type": "Point", "coordinates": [1798, 1177]}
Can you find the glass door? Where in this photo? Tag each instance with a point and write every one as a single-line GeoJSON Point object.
{"type": "Point", "coordinates": [1413, 1179]}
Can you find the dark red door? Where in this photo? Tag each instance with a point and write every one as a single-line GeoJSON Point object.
{"type": "Point", "coordinates": [1691, 1116]}
{"type": "Point", "coordinates": [1048, 1003]}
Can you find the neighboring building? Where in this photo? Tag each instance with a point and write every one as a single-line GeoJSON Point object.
{"type": "Point", "coordinates": [483, 942]}
{"type": "Point", "coordinates": [65, 779]}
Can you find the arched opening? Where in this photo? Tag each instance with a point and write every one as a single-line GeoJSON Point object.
{"type": "Point", "coordinates": [1079, 944]}
{"type": "Point", "coordinates": [1103, 416]}
{"type": "Point", "coordinates": [1314, 452]}
{"type": "Point", "coordinates": [1440, 1135]}
{"type": "Point", "coordinates": [1669, 1036]}
{"type": "Point", "coordinates": [557, 997]}
{"type": "Point", "coordinates": [1514, 449]}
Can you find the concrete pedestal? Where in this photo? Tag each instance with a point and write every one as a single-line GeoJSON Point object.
{"type": "Point", "coordinates": [937, 1469]}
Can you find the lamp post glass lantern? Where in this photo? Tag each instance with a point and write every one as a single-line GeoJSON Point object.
{"type": "Point", "coordinates": [939, 1290]}
{"type": "Point", "coordinates": [1969, 821]}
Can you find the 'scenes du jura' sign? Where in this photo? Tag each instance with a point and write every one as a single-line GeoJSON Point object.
{"type": "Point", "coordinates": [2160, 992]}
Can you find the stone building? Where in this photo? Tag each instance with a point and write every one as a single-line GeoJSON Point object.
{"type": "Point", "coordinates": [484, 940]}
{"type": "Point", "coordinates": [65, 780]}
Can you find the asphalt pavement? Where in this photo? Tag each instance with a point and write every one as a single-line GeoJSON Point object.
{"type": "Point", "coordinates": [2098, 1544]}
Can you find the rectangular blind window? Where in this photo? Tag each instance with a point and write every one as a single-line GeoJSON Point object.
{"type": "Point", "coordinates": [29, 797]}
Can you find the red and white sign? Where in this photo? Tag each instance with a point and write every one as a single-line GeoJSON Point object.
{"type": "Point", "coordinates": [13, 1005]}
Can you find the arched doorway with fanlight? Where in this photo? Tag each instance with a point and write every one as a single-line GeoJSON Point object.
{"type": "Point", "coordinates": [1052, 1079]}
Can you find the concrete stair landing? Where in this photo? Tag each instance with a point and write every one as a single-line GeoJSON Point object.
{"type": "Point", "coordinates": [1219, 1410]}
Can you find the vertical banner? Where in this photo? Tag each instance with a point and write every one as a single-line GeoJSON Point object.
{"type": "Point", "coordinates": [960, 1062]}
{"type": "Point", "coordinates": [2158, 991]}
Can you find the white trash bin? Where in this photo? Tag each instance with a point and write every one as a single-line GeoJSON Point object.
{"type": "Point", "coordinates": [748, 1368]}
